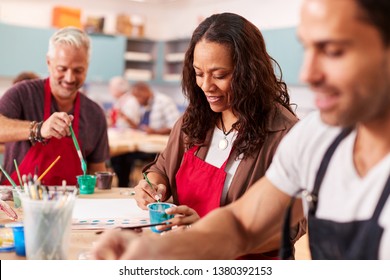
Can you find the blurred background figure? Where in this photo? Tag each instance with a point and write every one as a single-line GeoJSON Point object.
{"type": "Point", "coordinates": [149, 111]}
{"type": "Point", "coordinates": [152, 112]}
{"type": "Point", "coordinates": [119, 89]}
{"type": "Point", "coordinates": [25, 75]}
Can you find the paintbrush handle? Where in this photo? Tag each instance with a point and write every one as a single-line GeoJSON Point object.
{"type": "Point", "coordinates": [76, 144]}
{"type": "Point", "coordinates": [143, 226]}
{"type": "Point", "coordinates": [149, 183]}
{"type": "Point", "coordinates": [8, 177]}
{"type": "Point", "coordinates": [137, 227]}
{"type": "Point", "coordinates": [18, 173]}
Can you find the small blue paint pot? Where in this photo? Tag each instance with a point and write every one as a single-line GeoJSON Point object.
{"type": "Point", "coordinates": [157, 213]}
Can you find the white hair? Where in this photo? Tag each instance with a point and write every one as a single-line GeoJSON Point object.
{"type": "Point", "coordinates": [71, 36]}
{"type": "Point", "coordinates": [119, 84]}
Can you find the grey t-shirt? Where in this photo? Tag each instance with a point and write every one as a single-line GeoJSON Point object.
{"type": "Point", "coordinates": [25, 101]}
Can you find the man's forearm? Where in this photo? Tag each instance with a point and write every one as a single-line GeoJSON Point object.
{"type": "Point", "coordinates": [13, 130]}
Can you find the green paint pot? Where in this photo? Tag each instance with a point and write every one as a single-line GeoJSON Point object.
{"type": "Point", "coordinates": [86, 184]}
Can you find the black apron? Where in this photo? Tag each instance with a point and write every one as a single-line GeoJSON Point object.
{"type": "Point", "coordinates": [356, 240]}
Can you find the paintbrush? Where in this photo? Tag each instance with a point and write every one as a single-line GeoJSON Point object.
{"type": "Point", "coordinates": [18, 173]}
{"type": "Point", "coordinates": [150, 184]}
{"type": "Point", "coordinates": [8, 177]}
{"type": "Point", "coordinates": [137, 227]}
{"type": "Point", "coordinates": [76, 144]}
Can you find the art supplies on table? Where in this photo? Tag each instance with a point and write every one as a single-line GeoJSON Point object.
{"type": "Point", "coordinates": [47, 223]}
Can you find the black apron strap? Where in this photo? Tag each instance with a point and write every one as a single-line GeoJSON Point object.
{"type": "Point", "coordinates": [323, 167]}
{"type": "Point", "coordinates": [286, 248]}
{"type": "Point", "coordinates": [382, 200]}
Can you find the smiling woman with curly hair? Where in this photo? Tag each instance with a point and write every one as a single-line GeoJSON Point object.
{"type": "Point", "coordinates": [238, 111]}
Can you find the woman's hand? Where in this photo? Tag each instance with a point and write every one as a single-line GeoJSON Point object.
{"type": "Point", "coordinates": [184, 217]}
{"type": "Point", "coordinates": [145, 194]}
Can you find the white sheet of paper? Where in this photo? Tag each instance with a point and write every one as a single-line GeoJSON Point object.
{"type": "Point", "coordinates": [107, 208]}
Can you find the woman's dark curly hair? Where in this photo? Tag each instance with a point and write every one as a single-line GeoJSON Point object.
{"type": "Point", "coordinates": [255, 89]}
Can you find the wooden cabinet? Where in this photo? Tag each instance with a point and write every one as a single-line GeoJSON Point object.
{"type": "Point", "coordinates": [173, 59]}
{"type": "Point", "coordinates": [140, 60]}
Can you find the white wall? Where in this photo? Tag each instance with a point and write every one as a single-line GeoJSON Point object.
{"type": "Point", "coordinates": [186, 15]}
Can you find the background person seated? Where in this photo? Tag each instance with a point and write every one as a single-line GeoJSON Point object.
{"type": "Point", "coordinates": [119, 89]}
{"type": "Point", "coordinates": [149, 111]}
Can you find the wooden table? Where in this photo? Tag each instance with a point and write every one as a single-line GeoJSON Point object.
{"type": "Point", "coordinates": [130, 140]}
{"type": "Point", "coordinates": [81, 240]}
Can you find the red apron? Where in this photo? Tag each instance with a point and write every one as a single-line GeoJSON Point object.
{"type": "Point", "coordinates": [200, 184]}
{"type": "Point", "coordinates": [41, 156]}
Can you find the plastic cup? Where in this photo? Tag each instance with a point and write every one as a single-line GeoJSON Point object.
{"type": "Point", "coordinates": [18, 230]}
{"type": "Point", "coordinates": [47, 225]}
{"type": "Point", "coordinates": [86, 184]}
{"type": "Point", "coordinates": [157, 213]}
{"type": "Point", "coordinates": [104, 180]}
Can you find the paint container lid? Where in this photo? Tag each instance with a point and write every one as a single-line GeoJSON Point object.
{"type": "Point", "coordinates": [16, 224]}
